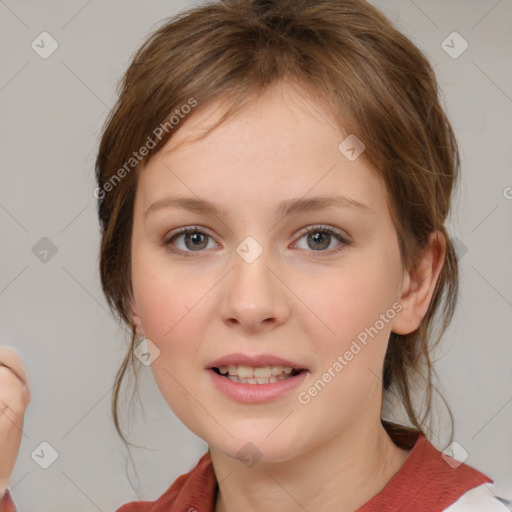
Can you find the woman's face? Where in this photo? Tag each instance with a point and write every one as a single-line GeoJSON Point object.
{"type": "Point", "coordinates": [261, 277]}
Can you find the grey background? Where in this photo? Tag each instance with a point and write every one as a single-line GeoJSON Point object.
{"type": "Point", "coordinates": [51, 113]}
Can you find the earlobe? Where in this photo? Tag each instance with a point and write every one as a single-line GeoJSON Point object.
{"type": "Point", "coordinates": [419, 285]}
{"type": "Point", "coordinates": [137, 321]}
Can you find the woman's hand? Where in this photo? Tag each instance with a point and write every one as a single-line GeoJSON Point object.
{"type": "Point", "coordinates": [14, 399]}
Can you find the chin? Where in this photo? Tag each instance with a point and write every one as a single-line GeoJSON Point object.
{"type": "Point", "coordinates": [252, 451]}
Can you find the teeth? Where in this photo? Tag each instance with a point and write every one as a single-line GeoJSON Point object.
{"type": "Point", "coordinates": [258, 375]}
{"type": "Point", "coordinates": [270, 380]}
{"type": "Point", "coordinates": [244, 372]}
{"type": "Point", "coordinates": [263, 373]}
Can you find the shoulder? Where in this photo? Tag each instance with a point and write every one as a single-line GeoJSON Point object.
{"type": "Point", "coordinates": [6, 503]}
{"type": "Point", "coordinates": [431, 480]}
{"type": "Point", "coordinates": [193, 490]}
{"type": "Point", "coordinates": [452, 486]}
{"type": "Point", "coordinates": [482, 497]}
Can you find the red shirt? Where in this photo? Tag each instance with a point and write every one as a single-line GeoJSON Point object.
{"type": "Point", "coordinates": [425, 482]}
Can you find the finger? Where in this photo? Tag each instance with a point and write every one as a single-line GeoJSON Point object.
{"type": "Point", "coordinates": [11, 358]}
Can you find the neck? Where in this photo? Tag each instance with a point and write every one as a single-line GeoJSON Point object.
{"type": "Point", "coordinates": [331, 476]}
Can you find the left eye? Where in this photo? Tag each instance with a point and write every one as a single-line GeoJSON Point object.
{"type": "Point", "coordinates": [318, 238]}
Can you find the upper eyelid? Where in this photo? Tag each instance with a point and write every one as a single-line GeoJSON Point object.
{"type": "Point", "coordinates": [321, 227]}
{"type": "Point", "coordinates": [188, 229]}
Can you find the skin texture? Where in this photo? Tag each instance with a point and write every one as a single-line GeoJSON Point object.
{"type": "Point", "coordinates": [14, 400]}
{"type": "Point", "coordinates": [294, 301]}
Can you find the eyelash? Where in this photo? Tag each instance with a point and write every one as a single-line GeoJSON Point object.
{"type": "Point", "coordinates": [312, 229]}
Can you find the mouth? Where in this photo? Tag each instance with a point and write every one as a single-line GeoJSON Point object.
{"type": "Point", "coordinates": [253, 379]}
{"type": "Point", "coordinates": [256, 375]}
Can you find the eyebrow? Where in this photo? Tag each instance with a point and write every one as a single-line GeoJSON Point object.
{"type": "Point", "coordinates": [287, 207]}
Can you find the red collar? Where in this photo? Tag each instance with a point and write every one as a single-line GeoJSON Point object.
{"type": "Point", "coordinates": [425, 482]}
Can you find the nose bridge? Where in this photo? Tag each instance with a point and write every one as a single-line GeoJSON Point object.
{"type": "Point", "coordinates": [254, 294]}
{"type": "Point", "coordinates": [251, 276]}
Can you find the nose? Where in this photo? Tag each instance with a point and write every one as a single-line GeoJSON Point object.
{"type": "Point", "coordinates": [254, 295]}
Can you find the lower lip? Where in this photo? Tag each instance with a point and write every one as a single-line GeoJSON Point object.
{"type": "Point", "coordinates": [256, 393]}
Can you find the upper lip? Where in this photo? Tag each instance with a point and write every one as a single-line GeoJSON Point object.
{"type": "Point", "coordinates": [254, 361]}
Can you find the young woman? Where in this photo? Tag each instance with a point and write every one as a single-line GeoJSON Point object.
{"type": "Point", "coordinates": [273, 187]}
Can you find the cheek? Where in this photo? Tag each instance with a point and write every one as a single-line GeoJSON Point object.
{"type": "Point", "coordinates": [356, 309]}
{"type": "Point", "coordinates": [166, 298]}
{"type": "Point", "coordinates": [169, 304]}
{"type": "Point", "coordinates": [347, 377]}
{"type": "Point", "coordinates": [345, 303]}
{"type": "Point", "coordinates": [170, 309]}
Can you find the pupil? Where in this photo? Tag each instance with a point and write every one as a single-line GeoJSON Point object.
{"type": "Point", "coordinates": [318, 237]}
{"type": "Point", "coordinates": [196, 237]}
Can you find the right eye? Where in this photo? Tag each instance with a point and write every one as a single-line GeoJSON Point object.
{"type": "Point", "coordinates": [193, 240]}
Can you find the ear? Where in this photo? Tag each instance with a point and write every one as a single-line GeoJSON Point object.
{"type": "Point", "coordinates": [137, 321]}
{"type": "Point", "coordinates": [418, 286]}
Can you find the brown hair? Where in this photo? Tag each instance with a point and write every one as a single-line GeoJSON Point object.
{"type": "Point", "coordinates": [343, 51]}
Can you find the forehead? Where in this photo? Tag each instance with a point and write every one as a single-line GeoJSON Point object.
{"type": "Point", "coordinates": [284, 97]}
{"type": "Point", "coordinates": [282, 143]}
